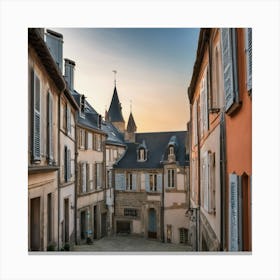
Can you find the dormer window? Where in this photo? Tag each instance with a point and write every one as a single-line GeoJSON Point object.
{"type": "Point", "coordinates": [171, 150]}
{"type": "Point", "coordinates": [142, 152]}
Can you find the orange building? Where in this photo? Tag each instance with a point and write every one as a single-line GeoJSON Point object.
{"type": "Point", "coordinates": [238, 123]}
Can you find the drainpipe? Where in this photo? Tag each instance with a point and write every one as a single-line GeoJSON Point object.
{"type": "Point", "coordinates": [223, 179]}
{"type": "Point", "coordinates": [58, 177]}
{"type": "Point", "coordinates": [162, 207]}
{"type": "Point", "coordinates": [76, 179]}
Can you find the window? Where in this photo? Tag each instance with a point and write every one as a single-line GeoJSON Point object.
{"type": "Point", "coordinates": [129, 181]}
{"type": "Point", "coordinates": [208, 182]}
{"type": "Point", "coordinates": [49, 211]}
{"type": "Point", "coordinates": [171, 150]}
{"type": "Point", "coordinates": [171, 178]}
{"type": "Point", "coordinates": [153, 182]}
{"type": "Point", "coordinates": [97, 142]}
{"type": "Point", "coordinates": [142, 154]}
{"type": "Point", "coordinates": [50, 129]}
{"type": "Point", "coordinates": [204, 103]}
{"type": "Point", "coordinates": [183, 235]}
{"type": "Point", "coordinates": [98, 170]}
{"type": "Point", "coordinates": [36, 117]}
{"type": "Point", "coordinates": [229, 57]}
{"type": "Point", "coordinates": [83, 177]}
{"type": "Point", "coordinates": [89, 140]}
{"type": "Point", "coordinates": [194, 123]}
{"type": "Point", "coordinates": [130, 212]}
{"type": "Point", "coordinates": [67, 164]}
{"type": "Point", "coordinates": [248, 49]}
{"type": "Point", "coordinates": [82, 138]}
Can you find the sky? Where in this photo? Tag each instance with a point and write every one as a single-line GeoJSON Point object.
{"type": "Point", "coordinates": [154, 68]}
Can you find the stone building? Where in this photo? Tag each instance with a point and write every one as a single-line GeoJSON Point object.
{"type": "Point", "coordinates": [45, 85]}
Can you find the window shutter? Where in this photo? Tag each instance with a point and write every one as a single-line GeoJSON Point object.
{"type": "Point", "coordinates": [90, 170]}
{"type": "Point", "coordinates": [86, 140]}
{"type": "Point", "coordinates": [240, 214]}
{"type": "Point", "coordinates": [248, 40]}
{"type": "Point", "coordinates": [94, 175]}
{"type": "Point", "coordinates": [36, 130]}
{"type": "Point", "coordinates": [110, 179]}
{"type": "Point", "coordinates": [84, 177]}
{"type": "Point", "coordinates": [195, 123]}
{"type": "Point", "coordinates": [159, 183]}
{"type": "Point", "coordinates": [211, 171]}
{"type": "Point", "coordinates": [147, 182]}
{"type": "Point", "coordinates": [87, 176]}
{"type": "Point", "coordinates": [68, 119]}
{"type": "Point", "coordinates": [206, 182]}
{"type": "Point", "coordinates": [68, 165]}
{"type": "Point", "coordinates": [206, 101]}
{"type": "Point", "coordinates": [50, 127]}
{"type": "Point", "coordinates": [228, 67]}
{"type": "Point", "coordinates": [233, 212]}
{"type": "Point", "coordinates": [201, 112]}
{"type": "Point", "coordinates": [120, 182]}
{"type": "Point", "coordinates": [134, 185]}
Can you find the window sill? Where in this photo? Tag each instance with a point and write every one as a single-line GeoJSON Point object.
{"type": "Point", "coordinates": [41, 169]}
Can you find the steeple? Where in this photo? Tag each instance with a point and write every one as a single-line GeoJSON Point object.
{"type": "Point", "coordinates": [115, 110]}
{"type": "Point", "coordinates": [131, 126]}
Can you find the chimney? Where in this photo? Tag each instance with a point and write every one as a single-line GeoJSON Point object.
{"type": "Point", "coordinates": [69, 68]}
{"type": "Point", "coordinates": [54, 42]}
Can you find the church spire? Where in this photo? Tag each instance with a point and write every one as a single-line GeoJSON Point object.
{"type": "Point", "coordinates": [131, 125]}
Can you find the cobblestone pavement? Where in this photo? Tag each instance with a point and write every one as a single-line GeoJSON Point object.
{"type": "Point", "coordinates": [130, 243]}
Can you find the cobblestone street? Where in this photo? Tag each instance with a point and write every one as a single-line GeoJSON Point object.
{"type": "Point", "coordinates": [130, 243]}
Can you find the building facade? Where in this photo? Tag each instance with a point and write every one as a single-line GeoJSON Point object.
{"type": "Point", "coordinates": [214, 103]}
{"type": "Point", "coordinates": [45, 84]}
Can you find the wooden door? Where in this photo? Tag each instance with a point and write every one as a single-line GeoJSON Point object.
{"type": "Point", "coordinates": [152, 227]}
{"type": "Point", "coordinates": [35, 224]}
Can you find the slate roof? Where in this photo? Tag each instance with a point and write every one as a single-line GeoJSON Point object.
{"type": "Point", "coordinates": [115, 137]}
{"type": "Point", "coordinates": [131, 125]}
{"type": "Point", "coordinates": [91, 116]}
{"type": "Point", "coordinates": [115, 110]}
{"type": "Point", "coordinates": [157, 146]}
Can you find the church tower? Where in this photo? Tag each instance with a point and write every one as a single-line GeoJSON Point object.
{"type": "Point", "coordinates": [115, 112]}
{"type": "Point", "coordinates": [131, 129]}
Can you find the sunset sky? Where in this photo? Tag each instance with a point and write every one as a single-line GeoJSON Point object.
{"type": "Point", "coordinates": [154, 68]}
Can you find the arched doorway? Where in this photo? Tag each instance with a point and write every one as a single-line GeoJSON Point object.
{"type": "Point", "coordinates": [152, 225]}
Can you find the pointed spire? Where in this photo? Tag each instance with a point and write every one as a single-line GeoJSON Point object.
{"type": "Point", "coordinates": [131, 125]}
{"type": "Point", "coordinates": [115, 110]}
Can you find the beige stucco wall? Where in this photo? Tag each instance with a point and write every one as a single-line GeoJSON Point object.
{"type": "Point", "coordinates": [212, 144]}
{"type": "Point", "coordinates": [40, 185]}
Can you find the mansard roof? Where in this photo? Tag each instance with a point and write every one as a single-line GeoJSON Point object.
{"type": "Point", "coordinates": [157, 146]}
{"type": "Point", "coordinates": [115, 137]}
{"type": "Point", "coordinates": [131, 126]}
{"type": "Point", "coordinates": [115, 110]}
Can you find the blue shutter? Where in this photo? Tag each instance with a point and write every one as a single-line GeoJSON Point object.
{"type": "Point", "coordinates": [249, 57]}
{"type": "Point", "coordinates": [84, 177]}
{"type": "Point", "coordinates": [134, 184]}
{"type": "Point", "coordinates": [120, 182]}
{"type": "Point", "coordinates": [228, 67]}
{"type": "Point", "coordinates": [36, 130]}
{"type": "Point", "coordinates": [159, 182]}
{"type": "Point", "coordinates": [233, 212]}
{"type": "Point", "coordinates": [147, 182]}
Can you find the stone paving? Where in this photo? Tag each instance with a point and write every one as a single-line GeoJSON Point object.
{"type": "Point", "coordinates": [130, 243]}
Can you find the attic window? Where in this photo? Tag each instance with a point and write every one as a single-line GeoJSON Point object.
{"type": "Point", "coordinates": [171, 150]}
{"type": "Point", "coordinates": [142, 156]}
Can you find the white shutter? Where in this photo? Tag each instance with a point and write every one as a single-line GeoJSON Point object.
{"type": "Point", "coordinates": [134, 185]}
{"type": "Point", "coordinates": [212, 182]}
{"type": "Point", "coordinates": [90, 176]}
{"type": "Point", "coordinates": [68, 164]}
{"type": "Point", "coordinates": [50, 127]}
{"type": "Point", "coordinates": [248, 40]}
{"type": "Point", "coordinates": [194, 123]}
{"type": "Point", "coordinates": [228, 67]}
{"type": "Point", "coordinates": [36, 130]}
{"type": "Point", "coordinates": [84, 177]}
{"type": "Point", "coordinates": [233, 212]}
{"type": "Point", "coordinates": [68, 119]}
{"type": "Point", "coordinates": [206, 181]}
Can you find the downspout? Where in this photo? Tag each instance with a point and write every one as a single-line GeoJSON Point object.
{"type": "Point", "coordinates": [76, 179]}
{"type": "Point", "coordinates": [223, 180]}
{"type": "Point", "coordinates": [58, 177]}
{"type": "Point", "coordinates": [162, 207]}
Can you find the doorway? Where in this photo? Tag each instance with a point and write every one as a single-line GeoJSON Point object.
{"type": "Point", "coordinates": [83, 225]}
{"type": "Point", "coordinates": [35, 224]}
{"type": "Point", "coordinates": [66, 220]}
{"type": "Point", "coordinates": [152, 227]}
